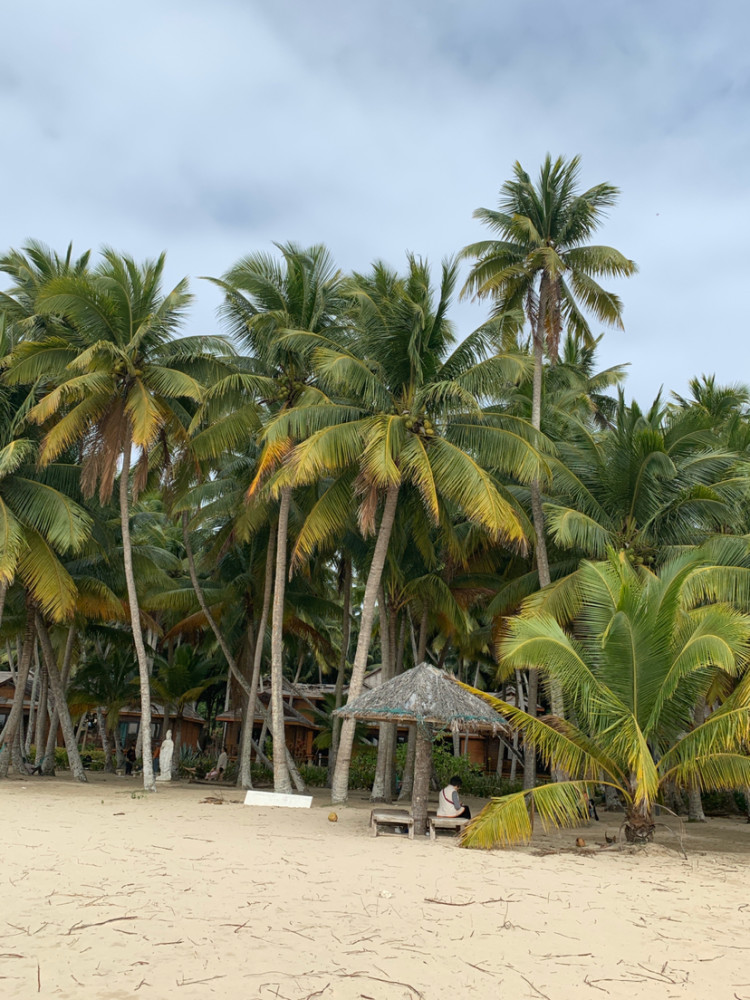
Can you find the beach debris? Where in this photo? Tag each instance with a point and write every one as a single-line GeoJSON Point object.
{"type": "Point", "coordinates": [610, 840]}
{"type": "Point", "coordinates": [212, 800]}
{"type": "Point", "coordinates": [333, 818]}
{"type": "Point", "coordinates": [580, 842]}
{"type": "Point", "coordinates": [385, 894]}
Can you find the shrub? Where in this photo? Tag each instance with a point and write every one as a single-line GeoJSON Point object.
{"type": "Point", "coordinates": [314, 776]}
{"type": "Point", "coordinates": [362, 770]}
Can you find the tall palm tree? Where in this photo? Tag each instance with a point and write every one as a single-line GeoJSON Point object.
{"type": "Point", "coordinates": [643, 654]}
{"type": "Point", "coordinates": [116, 379]}
{"type": "Point", "coordinates": [544, 264]}
{"type": "Point", "coordinates": [266, 298]}
{"type": "Point", "coordinates": [401, 407]}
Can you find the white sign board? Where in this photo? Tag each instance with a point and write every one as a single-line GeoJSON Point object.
{"type": "Point", "coordinates": [253, 798]}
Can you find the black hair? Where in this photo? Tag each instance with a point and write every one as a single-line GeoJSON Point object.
{"type": "Point", "coordinates": [455, 781]}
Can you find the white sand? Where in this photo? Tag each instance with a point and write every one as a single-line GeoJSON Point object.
{"type": "Point", "coordinates": [108, 896]}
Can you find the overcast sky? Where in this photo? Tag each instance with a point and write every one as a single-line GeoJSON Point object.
{"type": "Point", "coordinates": [212, 128]}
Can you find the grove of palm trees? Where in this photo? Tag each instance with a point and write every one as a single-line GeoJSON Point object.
{"type": "Point", "coordinates": [339, 480]}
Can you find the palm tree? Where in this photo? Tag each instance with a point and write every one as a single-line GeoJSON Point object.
{"type": "Point", "coordinates": [542, 263]}
{"type": "Point", "coordinates": [116, 377]}
{"type": "Point", "coordinates": [642, 654]}
{"type": "Point", "coordinates": [266, 298]}
{"type": "Point", "coordinates": [652, 480]}
{"type": "Point", "coordinates": [400, 409]}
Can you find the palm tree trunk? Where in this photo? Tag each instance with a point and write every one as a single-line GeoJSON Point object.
{"type": "Point", "coordinates": [639, 825]}
{"type": "Point", "coordinates": [281, 782]}
{"type": "Point", "coordinates": [231, 662]}
{"type": "Point", "coordinates": [109, 767]}
{"type": "Point", "coordinates": [340, 783]}
{"type": "Point", "coordinates": [58, 692]}
{"type": "Point", "coordinates": [407, 782]}
{"type": "Point", "coordinates": [542, 558]}
{"type": "Point", "coordinates": [378, 793]}
{"type": "Point", "coordinates": [695, 803]}
{"type": "Point", "coordinates": [244, 776]}
{"type": "Point", "coordinates": [119, 755]}
{"type": "Point", "coordinates": [10, 729]}
{"type": "Point", "coordinates": [422, 646]}
{"type": "Point", "coordinates": [135, 618]}
{"type": "Point", "coordinates": [41, 718]}
{"type": "Point", "coordinates": [48, 761]}
{"type": "Point", "coordinates": [34, 702]}
{"type": "Point", "coordinates": [422, 774]}
{"type": "Point", "coordinates": [346, 628]}
{"type": "Point", "coordinates": [177, 746]}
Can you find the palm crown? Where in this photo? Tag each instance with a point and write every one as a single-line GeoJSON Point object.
{"type": "Point", "coordinates": [643, 650]}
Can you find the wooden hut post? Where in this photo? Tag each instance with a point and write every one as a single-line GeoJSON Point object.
{"type": "Point", "coordinates": [422, 773]}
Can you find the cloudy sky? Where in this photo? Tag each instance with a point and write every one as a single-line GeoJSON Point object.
{"type": "Point", "coordinates": [211, 129]}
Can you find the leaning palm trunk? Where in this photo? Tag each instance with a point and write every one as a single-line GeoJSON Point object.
{"type": "Point", "coordinates": [281, 782]}
{"type": "Point", "coordinates": [244, 776]}
{"type": "Point", "coordinates": [58, 691]}
{"type": "Point", "coordinates": [48, 761]}
{"type": "Point", "coordinates": [11, 727]}
{"type": "Point", "coordinates": [695, 803]}
{"type": "Point", "coordinates": [340, 783]}
{"type": "Point", "coordinates": [135, 619]}
{"type": "Point", "coordinates": [231, 662]}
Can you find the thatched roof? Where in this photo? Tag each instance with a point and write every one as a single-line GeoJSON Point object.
{"type": "Point", "coordinates": [424, 694]}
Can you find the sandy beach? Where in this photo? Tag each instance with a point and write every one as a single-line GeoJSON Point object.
{"type": "Point", "coordinates": [109, 893]}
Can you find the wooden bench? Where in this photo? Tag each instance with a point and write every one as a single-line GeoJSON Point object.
{"type": "Point", "coordinates": [436, 823]}
{"type": "Point", "coordinates": [391, 817]}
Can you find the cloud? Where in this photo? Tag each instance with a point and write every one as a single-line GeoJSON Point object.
{"type": "Point", "coordinates": [211, 130]}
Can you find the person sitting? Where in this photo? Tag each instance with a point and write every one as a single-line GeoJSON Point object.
{"type": "Point", "coordinates": [130, 759]}
{"type": "Point", "coordinates": [221, 766]}
{"type": "Point", "coordinates": [449, 803]}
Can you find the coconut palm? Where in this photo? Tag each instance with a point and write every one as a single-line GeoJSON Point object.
{"type": "Point", "coordinates": [401, 408]}
{"type": "Point", "coordinates": [543, 263]}
{"type": "Point", "coordinates": [643, 652]}
{"type": "Point", "coordinates": [265, 298]}
{"type": "Point", "coordinates": [116, 378]}
{"type": "Point", "coordinates": [653, 479]}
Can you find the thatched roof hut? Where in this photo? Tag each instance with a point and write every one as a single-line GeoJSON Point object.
{"type": "Point", "coordinates": [428, 697]}
{"type": "Point", "coordinates": [425, 695]}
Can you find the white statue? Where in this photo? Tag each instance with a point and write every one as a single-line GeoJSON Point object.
{"type": "Point", "coordinates": [165, 758]}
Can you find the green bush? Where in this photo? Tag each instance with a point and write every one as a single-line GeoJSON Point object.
{"type": "Point", "coordinates": [362, 770]}
{"type": "Point", "coordinates": [474, 781]}
{"type": "Point", "coordinates": [315, 777]}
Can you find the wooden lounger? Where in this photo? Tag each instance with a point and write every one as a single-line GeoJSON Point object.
{"type": "Point", "coordinates": [436, 823]}
{"type": "Point", "coordinates": [391, 817]}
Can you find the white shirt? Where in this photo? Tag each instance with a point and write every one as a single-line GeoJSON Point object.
{"type": "Point", "coordinates": [449, 803]}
